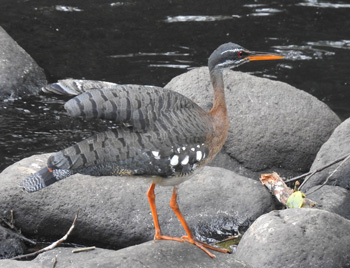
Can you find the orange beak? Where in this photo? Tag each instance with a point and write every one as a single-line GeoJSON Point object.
{"type": "Point", "coordinates": [263, 56]}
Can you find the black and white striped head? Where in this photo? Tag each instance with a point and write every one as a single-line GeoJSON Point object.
{"type": "Point", "coordinates": [231, 55]}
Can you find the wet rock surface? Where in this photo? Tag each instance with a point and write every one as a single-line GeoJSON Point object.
{"type": "Point", "coordinates": [273, 126]}
{"type": "Point", "coordinates": [297, 238]}
{"type": "Point", "coordinates": [19, 73]}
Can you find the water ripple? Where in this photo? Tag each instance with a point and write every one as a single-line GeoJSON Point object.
{"type": "Point", "coordinates": [303, 52]}
{"type": "Point", "coordinates": [200, 18]}
{"type": "Point", "coordinates": [313, 3]}
{"type": "Point", "coordinates": [343, 44]}
{"type": "Point", "coordinates": [67, 8]}
{"type": "Point", "coordinates": [265, 11]}
{"type": "Point", "coordinates": [145, 54]}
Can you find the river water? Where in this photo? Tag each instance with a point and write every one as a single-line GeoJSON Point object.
{"type": "Point", "coordinates": [149, 42]}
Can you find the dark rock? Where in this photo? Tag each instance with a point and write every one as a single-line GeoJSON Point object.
{"type": "Point", "coordinates": [331, 198]}
{"type": "Point", "coordinates": [10, 244]}
{"type": "Point", "coordinates": [272, 125]}
{"type": "Point", "coordinates": [19, 73]}
{"type": "Point", "coordinates": [114, 211]}
{"type": "Point", "coordinates": [297, 238]}
{"type": "Point", "coordinates": [150, 254]}
{"type": "Point", "coordinates": [337, 145]}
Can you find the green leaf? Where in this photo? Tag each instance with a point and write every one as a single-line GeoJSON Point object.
{"type": "Point", "coordinates": [296, 200]}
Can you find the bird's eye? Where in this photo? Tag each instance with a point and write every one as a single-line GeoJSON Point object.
{"type": "Point", "coordinates": [240, 54]}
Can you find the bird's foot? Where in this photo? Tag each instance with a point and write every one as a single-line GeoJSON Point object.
{"type": "Point", "coordinates": [201, 245]}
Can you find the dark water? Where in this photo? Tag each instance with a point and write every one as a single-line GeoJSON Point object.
{"type": "Point", "coordinates": [149, 42]}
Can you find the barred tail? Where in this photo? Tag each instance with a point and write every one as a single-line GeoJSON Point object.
{"type": "Point", "coordinates": [43, 178]}
{"type": "Point", "coordinates": [73, 87]}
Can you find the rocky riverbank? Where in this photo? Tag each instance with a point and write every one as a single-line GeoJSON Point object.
{"type": "Point", "coordinates": [273, 127]}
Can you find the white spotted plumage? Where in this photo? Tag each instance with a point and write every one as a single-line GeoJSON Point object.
{"type": "Point", "coordinates": [156, 154]}
{"type": "Point", "coordinates": [185, 160]}
{"type": "Point", "coordinates": [198, 155]}
{"type": "Point", "coordinates": [174, 160]}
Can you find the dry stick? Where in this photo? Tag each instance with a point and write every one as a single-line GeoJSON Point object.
{"type": "Point", "coordinates": [16, 232]}
{"type": "Point", "coordinates": [311, 173]}
{"type": "Point", "coordinates": [54, 262]}
{"type": "Point", "coordinates": [334, 171]}
{"type": "Point", "coordinates": [53, 245]}
{"type": "Point", "coordinates": [83, 249]}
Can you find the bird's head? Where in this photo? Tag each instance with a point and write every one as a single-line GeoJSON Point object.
{"type": "Point", "coordinates": [231, 55]}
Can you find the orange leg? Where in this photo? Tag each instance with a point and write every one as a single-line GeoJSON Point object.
{"type": "Point", "coordinates": [189, 238]}
{"type": "Point", "coordinates": [158, 235]}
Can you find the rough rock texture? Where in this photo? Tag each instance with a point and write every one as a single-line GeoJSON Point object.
{"type": "Point", "coordinates": [331, 198]}
{"type": "Point", "coordinates": [114, 211]}
{"type": "Point", "coordinates": [19, 73]}
{"type": "Point", "coordinates": [337, 145]}
{"type": "Point", "coordinates": [272, 124]}
{"type": "Point", "coordinates": [150, 254]}
{"type": "Point", "coordinates": [297, 238]}
{"type": "Point", "coordinates": [10, 244]}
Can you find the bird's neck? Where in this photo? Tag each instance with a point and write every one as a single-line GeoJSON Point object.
{"type": "Point", "coordinates": [219, 112]}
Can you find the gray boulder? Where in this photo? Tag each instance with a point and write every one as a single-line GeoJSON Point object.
{"type": "Point", "coordinates": [297, 238]}
{"type": "Point", "coordinates": [331, 198]}
{"type": "Point", "coordinates": [151, 254]}
{"type": "Point", "coordinates": [337, 145]}
{"type": "Point", "coordinates": [114, 211]}
{"type": "Point", "coordinates": [272, 124]}
{"type": "Point", "coordinates": [19, 73]}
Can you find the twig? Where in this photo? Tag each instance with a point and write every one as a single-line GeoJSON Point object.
{"type": "Point", "coordinates": [83, 249]}
{"type": "Point", "coordinates": [54, 262]}
{"type": "Point", "coordinates": [51, 246]}
{"type": "Point", "coordinates": [16, 232]}
{"type": "Point", "coordinates": [308, 178]}
{"type": "Point", "coordinates": [20, 236]}
{"type": "Point", "coordinates": [334, 171]}
{"type": "Point", "coordinates": [12, 219]}
{"type": "Point", "coordinates": [311, 173]}
{"type": "Point", "coordinates": [10, 224]}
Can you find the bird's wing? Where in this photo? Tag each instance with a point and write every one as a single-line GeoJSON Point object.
{"type": "Point", "coordinates": [158, 124]}
{"type": "Point", "coordinates": [133, 105]}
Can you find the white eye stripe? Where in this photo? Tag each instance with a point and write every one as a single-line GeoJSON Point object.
{"type": "Point", "coordinates": [230, 50]}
